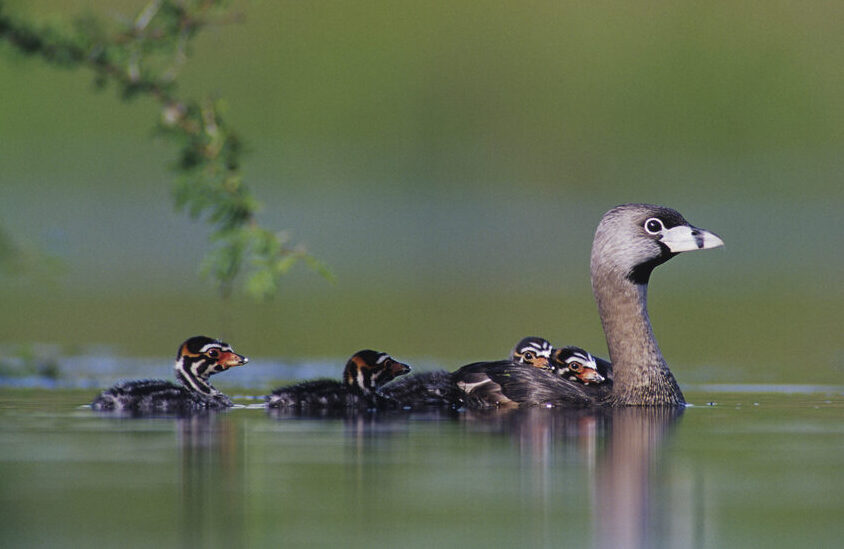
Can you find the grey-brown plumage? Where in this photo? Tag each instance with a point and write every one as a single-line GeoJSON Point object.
{"type": "Point", "coordinates": [507, 383]}
{"type": "Point", "coordinates": [629, 242]}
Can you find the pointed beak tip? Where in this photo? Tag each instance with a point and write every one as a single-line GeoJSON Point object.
{"type": "Point", "coordinates": [709, 240]}
{"type": "Point", "coordinates": [687, 238]}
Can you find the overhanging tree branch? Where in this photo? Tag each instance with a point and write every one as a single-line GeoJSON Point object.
{"type": "Point", "coordinates": [143, 57]}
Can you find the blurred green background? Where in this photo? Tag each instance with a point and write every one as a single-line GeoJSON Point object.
{"type": "Point", "coordinates": [450, 161]}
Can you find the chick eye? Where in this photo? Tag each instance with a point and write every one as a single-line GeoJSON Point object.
{"type": "Point", "coordinates": [528, 355]}
{"type": "Point", "coordinates": [575, 366]}
{"type": "Point", "coordinates": [213, 353]}
{"type": "Point", "coordinates": [654, 225]}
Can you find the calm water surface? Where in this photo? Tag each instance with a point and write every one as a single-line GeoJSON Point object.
{"type": "Point", "coordinates": [737, 469]}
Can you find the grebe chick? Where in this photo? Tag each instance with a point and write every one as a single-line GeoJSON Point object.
{"type": "Point", "coordinates": [439, 389]}
{"type": "Point", "coordinates": [534, 351]}
{"type": "Point", "coordinates": [365, 372]}
{"type": "Point", "coordinates": [527, 378]}
{"type": "Point", "coordinates": [576, 364]}
{"type": "Point", "coordinates": [198, 358]}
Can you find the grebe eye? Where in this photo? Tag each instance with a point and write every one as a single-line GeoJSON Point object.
{"type": "Point", "coordinates": [213, 353]}
{"type": "Point", "coordinates": [528, 355]}
{"type": "Point", "coordinates": [575, 366]}
{"type": "Point", "coordinates": [654, 226]}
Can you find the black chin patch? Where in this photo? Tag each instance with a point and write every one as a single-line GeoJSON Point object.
{"type": "Point", "coordinates": [641, 273]}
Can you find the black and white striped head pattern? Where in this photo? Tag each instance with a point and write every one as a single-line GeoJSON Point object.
{"type": "Point", "coordinates": [368, 370]}
{"type": "Point", "coordinates": [201, 357]}
{"type": "Point", "coordinates": [575, 364]}
{"type": "Point", "coordinates": [532, 351]}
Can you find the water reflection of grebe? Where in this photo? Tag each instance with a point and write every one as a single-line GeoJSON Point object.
{"type": "Point", "coordinates": [211, 471]}
{"type": "Point", "coordinates": [620, 449]}
{"type": "Point", "coordinates": [630, 509]}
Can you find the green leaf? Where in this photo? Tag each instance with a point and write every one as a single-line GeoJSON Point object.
{"type": "Point", "coordinates": [141, 58]}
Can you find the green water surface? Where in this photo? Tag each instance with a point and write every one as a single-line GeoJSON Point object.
{"type": "Point", "coordinates": [734, 470]}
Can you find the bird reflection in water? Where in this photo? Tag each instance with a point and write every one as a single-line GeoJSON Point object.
{"type": "Point", "coordinates": [629, 511]}
{"type": "Point", "coordinates": [211, 472]}
{"type": "Point", "coordinates": [610, 457]}
{"type": "Point", "coordinates": [620, 449]}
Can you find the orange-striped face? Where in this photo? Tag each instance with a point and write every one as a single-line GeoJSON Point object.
{"type": "Point", "coordinates": [368, 370]}
{"type": "Point", "coordinates": [532, 351]}
{"type": "Point", "coordinates": [576, 364]}
{"type": "Point", "coordinates": [210, 356]}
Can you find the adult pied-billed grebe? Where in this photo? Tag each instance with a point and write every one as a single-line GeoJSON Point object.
{"type": "Point", "coordinates": [198, 358]}
{"type": "Point", "coordinates": [630, 241]}
{"type": "Point", "coordinates": [365, 372]}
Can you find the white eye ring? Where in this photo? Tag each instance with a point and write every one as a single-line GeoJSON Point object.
{"type": "Point", "coordinates": [653, 225]}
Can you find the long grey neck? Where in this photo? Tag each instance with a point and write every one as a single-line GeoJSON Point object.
{"type": "Point", "coordinates": [640, 375]}
{"type": "Point", "coordinates": [192, 375]}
